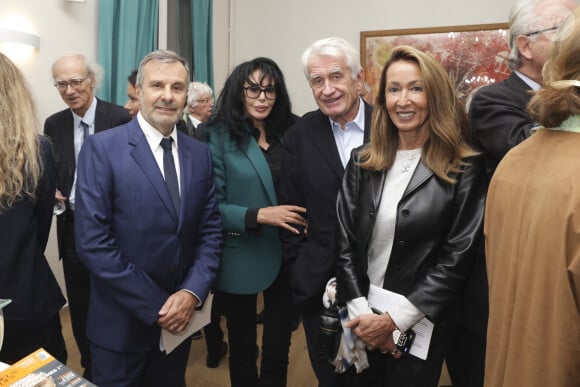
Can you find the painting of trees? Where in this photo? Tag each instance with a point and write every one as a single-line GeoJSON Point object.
{"type": "Point", "coordinates": [473, 56]}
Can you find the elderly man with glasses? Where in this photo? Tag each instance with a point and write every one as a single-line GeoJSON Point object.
{"type": "Point", "coordinates": [198, 110]}
{"type": "Point", "coordinates": [76, 80]}
{"type": "Point", "coordinates": [500, 121]}
{"type": "Point", "coordinates": [498, 112]}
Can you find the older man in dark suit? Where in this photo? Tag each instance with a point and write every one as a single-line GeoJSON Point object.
{"type": "Point", "coordinates": [500, 121]}
{"type": "Point", "coordinates": [148, 230]}
{"type": "Point", "coordinates": [316, 151]}
{"type": "Point", "coordinates": [498, 112]}
{"type": "Point", "coordinates": [76, 80]}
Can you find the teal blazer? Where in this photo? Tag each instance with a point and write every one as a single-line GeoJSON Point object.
{"type": "Point", "coordinates": [251, 259]}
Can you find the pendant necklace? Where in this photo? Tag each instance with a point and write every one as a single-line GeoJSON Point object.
{"type": "Point", "coordinates": [409, 157]}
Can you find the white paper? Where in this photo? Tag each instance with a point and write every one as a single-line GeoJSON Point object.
{"type": "Point", "coordinates": [201, 318]}
{"type": "Point", "coordinates": [384, 300]}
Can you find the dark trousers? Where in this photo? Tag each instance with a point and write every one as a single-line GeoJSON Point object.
{"type": "Point", "coordinates": [140, 369]}
{"type": "Point", "coordinates": [24, 337]}
{"type": "Point", "coordinates": [213, 331]}
{"type": "Point", "coordinates": [323, 370]}
{"type": "Point", "coordinates": [466, 358]}
{"type": "Point", "coordinates": [78, 285]}
{"type": "Point", "coordinates": [240, 311]}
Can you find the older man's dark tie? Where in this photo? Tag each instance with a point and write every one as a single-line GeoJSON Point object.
{"type": "Point", "coordinates": [170, 173]}
{"type": "Point", "coordinates": [85, 127]}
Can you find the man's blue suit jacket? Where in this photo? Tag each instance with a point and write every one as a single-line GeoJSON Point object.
{"type": "Point", "coordinates": [138, 250]}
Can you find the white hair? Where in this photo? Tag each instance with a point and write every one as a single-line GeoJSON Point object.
{"type": "Point", "coordinates": [336, 48]}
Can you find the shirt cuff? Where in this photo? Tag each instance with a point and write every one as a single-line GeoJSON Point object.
{"type": "Point", "coordinates": [405, 315]}
{"type": "Point", "coordinates": [252, 219]}
{"type": "Point", "coordinates": [357, 306]}
{"type": "Point", "coordinates": [199, 303]}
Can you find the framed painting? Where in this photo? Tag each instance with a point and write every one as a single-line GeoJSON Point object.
{"type": "Point", "coordinates": [474, 55]}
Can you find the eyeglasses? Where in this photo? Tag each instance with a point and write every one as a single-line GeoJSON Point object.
{"type": "Point", "coordinates": [204, 101]}
{"type": "Point", "coordinates": [542, 31]}
{"type": "Point", "coordinates": [75, 83]}
{"type": "Point", "coordinates": [254, 91]}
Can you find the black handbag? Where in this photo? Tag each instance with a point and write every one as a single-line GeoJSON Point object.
{"type": "Point", "coordinates": [329, 334]}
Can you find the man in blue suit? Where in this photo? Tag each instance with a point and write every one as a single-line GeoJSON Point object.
{"type": "Point", "coordinates": [148, 230]}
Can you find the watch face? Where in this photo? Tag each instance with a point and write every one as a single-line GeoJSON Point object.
{"type": "Point", "coordinates": [396, 336]}
{"type": "Point", "coordinates": [404, 340]}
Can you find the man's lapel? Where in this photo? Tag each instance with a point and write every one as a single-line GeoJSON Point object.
{"type": "Point", "coordinates": [100, 116]}
{"type": "Point", "coordinates": [143, 156]}
{"type": "Point", "coordinates": [323, 139]}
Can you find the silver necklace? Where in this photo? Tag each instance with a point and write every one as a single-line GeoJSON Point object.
{"type": "Point", "coordinates": [409, 158]}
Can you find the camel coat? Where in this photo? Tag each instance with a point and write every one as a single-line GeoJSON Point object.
{"type": "Point", "coordinates": [532, 231]}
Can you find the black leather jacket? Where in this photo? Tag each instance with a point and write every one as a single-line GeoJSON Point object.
{"type": "Point", "coordinates": [438, 227]}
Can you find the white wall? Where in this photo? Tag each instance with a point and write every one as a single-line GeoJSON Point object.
{"type": "Point", "coordinates": [274, 28]}
{"type": "Point", "coordinates": [282, 30]}
{"type": "Point", "coordinates": [63, 27]}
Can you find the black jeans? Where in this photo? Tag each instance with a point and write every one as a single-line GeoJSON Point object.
{"type": "Point", "coordinates": [240, 312]}
{"type": "Point", "coordinates": [212, 332]}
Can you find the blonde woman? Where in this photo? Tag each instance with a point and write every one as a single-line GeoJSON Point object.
{"type": "Point", "coordinates": [27, 186]}
{"type": "Point", "coordinates": [410, 214]}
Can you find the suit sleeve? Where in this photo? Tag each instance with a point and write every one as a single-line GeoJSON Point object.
{"type": "Point", "coordinates": [95, 237]}
{"type": "Point", "coordinates": [498, 122]}
{"type": "Point", "coordinates": [291, 193]}
{"type": "Point", "coordinates": [201, 276]}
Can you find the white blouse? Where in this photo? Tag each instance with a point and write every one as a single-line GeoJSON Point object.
{"type": "Point", "coordinates": [404, 315]}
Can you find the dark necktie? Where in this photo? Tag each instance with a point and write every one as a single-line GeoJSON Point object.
{"type": "Point", "coordinates": [170, 173]}
{"type": "Point", "coordinates": [190, 127]}
{"type": "Point", "coordinates": [85, 127]}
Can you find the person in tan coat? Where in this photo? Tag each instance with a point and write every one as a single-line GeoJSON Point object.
{"type": "Point", "coordinates": [532, 231]}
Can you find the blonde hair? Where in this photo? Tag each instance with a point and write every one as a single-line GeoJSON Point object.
{"type": "Point", "coordinates": [559, 96]}
{"type": "Point", "coordinates": [20, 166]}
{"type": "Point", "coordinates": [447, 143]}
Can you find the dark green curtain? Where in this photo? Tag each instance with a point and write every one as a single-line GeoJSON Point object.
{"type": "Point", "coordinates": [202, 61]}
{"type": "Point", "coordinates": [127, 32]}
